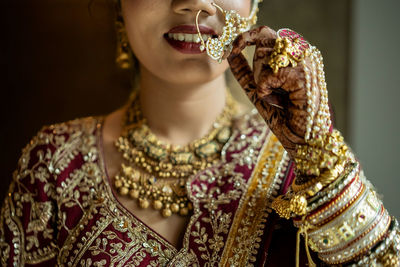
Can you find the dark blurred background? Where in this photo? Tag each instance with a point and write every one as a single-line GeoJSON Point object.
{"type": "Point", "coordinates": [58, 64]}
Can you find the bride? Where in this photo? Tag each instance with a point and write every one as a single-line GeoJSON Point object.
{"type": "Point", "coordinates": [183, 175]}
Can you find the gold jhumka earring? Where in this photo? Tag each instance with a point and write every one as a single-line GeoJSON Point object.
{"type": "Point", "coordinates": [218, 47]}
{"type": "Point", "coordinates": [124, 57]}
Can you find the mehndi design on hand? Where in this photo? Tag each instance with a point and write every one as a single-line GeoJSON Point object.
{"type": "Point", "coordinates": [281, 97]}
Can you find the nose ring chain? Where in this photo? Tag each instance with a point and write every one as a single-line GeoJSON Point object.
{"type": "Point", "coordinates": [217, 47]}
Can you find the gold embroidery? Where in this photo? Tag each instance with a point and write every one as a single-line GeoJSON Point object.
{"type": "Point", "coordinates": [40, 215]}
{"type": "Point", "coordinates": [8, 219]}
{"type": "Point", "coordinates": [30, 181]}
{"type": "Point", "coordinates": [244, 236]}
{"type": "Point", "coordinates": [86, 189]}
{"type": "Point", "coordinates": [247, 139]}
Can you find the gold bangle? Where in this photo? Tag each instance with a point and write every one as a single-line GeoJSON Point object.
{"type": "Point", "coordinates": [352, 226]}
{"type": "Point", "coordinates": [321, 153]}
{"type": "Point", "coordinates": [372, 238]}
{"type": "Point", "coordinates": [330, 192]}
{"type": "Point", "coordinates": [336, 206]}
{"type": "Point", "coordinates": [318, 183]}
{"type": "Point", "coordinates": [349, 202]}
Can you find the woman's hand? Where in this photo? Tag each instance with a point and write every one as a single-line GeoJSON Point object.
{"type": "Point", "coordinates": [281, 97]}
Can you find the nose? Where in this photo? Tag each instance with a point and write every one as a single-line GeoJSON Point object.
{"type": "Point", "coordinates": [192, 6]}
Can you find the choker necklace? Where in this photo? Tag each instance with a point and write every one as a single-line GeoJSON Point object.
{"type": "Point", "coordinates": [156, 172]}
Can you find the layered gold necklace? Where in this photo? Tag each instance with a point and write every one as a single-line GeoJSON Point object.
{"type": "Point", "coordinates": [156, 172]}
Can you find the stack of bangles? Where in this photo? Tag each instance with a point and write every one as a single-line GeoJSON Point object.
{"type": "Point", "coordinates": [330, 201]}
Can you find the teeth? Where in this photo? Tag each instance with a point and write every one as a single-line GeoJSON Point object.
{"type": "Point", "coordinates": [187, 37]}
{"type": "Point", "coordinates": [205, 37]}
{"type": "Point", "coordinates": [196, 38]}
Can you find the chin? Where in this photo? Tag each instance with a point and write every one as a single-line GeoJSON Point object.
{"type": "Point", "coordinates": [189, 79]}
{"type": "Point", "coordinates": [195, 72]}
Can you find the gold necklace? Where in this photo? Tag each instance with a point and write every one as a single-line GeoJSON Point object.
{"type": "Point", "coordinates": [157, 172]}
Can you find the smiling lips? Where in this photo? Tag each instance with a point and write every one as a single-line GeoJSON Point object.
{"type": "Point", "coordinates": [185, 38]}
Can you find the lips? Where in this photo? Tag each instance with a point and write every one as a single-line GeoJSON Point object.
{"type": "Point", "coordinates": [192, 29]}
{"type": "Point", "coordinates": [185, 39]}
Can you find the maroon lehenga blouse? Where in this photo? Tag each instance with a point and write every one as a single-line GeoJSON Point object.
{"type": "Point", "coordinates": [61, 211]}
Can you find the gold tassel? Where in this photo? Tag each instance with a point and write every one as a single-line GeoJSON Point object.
{"type": "Point", "coordinates": [303, 229]}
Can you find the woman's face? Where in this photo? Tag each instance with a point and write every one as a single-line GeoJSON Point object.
{"type": "Point", "coordinates": [162, 35]}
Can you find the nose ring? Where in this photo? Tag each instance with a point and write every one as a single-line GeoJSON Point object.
{"type": "Point", "coordinates": [234, 24]}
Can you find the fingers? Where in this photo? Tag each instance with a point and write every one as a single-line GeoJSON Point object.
{"type": "Point", "coordinates": [260, 62]}
{"type": "Point", "coordinates": [244, 75]}
{"type": "Point", "coordinates": [262, 36]}
{"type": "Point", "coordinates": [273, 100]}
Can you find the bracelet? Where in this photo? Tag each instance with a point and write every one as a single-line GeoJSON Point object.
{"type": "Point", "coordinates": [386, 252]}
{"type": "Point", "coordinates": [339, 204]}
{"type": "Point", "coordinates": [333, 189]}
{"type": "Point", "coordinates": [366, 230]}
{"type": "Point", "coordinates": [295, 203]}
{"type": "Point", "coordinates": [315, 185]}
{"type": "Point", "coordinates": [334, 208]}
{"type": "Point", "coordinates": [361, 246]}
{"type": "Point", "coordinates": [354, 222]}
{"type": "Point", "coordinates": [322, 152]}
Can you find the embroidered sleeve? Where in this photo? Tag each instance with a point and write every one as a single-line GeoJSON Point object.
{"type": "Point", "coordinates": [27, 222]}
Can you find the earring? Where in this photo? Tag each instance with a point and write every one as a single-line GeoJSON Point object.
{"type": "Point", "coordinates": [216, 48]}
{"type": "Point", "coordinates": [124, 56]}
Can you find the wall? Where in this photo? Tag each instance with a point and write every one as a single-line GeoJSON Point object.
{"type": "Point", "coordinates": [57, 64]}
{"type": "Point", "coordinates": [374, 117]}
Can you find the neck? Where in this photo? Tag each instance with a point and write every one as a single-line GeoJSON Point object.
{"type": "Point", "coordinates": [179, 114]}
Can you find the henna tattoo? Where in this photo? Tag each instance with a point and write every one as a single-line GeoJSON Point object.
{"type": "Point", "coordinates": [280, 98]}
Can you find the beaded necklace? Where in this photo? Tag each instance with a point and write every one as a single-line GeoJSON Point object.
{"type": "Point", "coordinates": [156, 172]}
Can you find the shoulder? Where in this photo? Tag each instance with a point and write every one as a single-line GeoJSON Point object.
{"type": "Point", "coordinates": [53, 148]}
{"type": "Point", "coordinates": [30, 212]}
